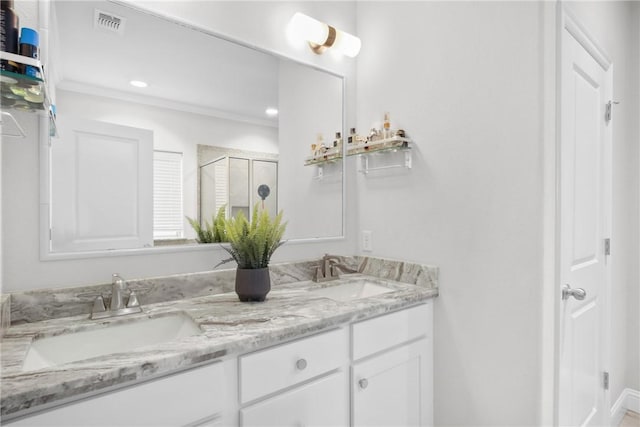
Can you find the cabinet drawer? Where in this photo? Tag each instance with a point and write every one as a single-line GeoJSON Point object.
{"type": "Point", "coordinates": [176, 400]}
{"type": "Point", "coordinates": [273, 369]}
{"type": "Point", "coordinates": [377, 334]}
{"type": "Point", "coordinates": [324, 402]}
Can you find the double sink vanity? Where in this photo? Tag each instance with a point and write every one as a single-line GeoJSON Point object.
{"type": "Point", "coordinates": [352, 351]}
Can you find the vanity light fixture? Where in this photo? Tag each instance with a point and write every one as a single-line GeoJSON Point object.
{"type": "Point", "coordinates": [271, 112]}
{"type": "Point", "coordinates": [138, 83]}
{"type": "Point", "coordinates": [322, 36]}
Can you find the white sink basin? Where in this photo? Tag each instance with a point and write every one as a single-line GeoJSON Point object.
{"type": "Point", "coordinates": [119, 337]}
{"type": "Point", "coordinates": [351, 291]}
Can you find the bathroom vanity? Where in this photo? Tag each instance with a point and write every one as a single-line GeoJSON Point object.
{"type": "Point", "coordinates": [353, 351]}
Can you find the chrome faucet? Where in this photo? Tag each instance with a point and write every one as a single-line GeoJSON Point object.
{"type": "Point", "coordinates": [328, 269]}
{"type": "Point", "coordinates": [117, 306]}
{"type": "Point", "coordinates": [118, 286]}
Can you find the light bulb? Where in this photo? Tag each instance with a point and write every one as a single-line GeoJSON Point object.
{"type": "Point", "coordinates": [306, 28]}
{"type": "Point", "coordinates": [348, 44]}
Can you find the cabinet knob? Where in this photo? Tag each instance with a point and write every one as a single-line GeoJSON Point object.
{"type": "Point", "coordinates": [363, 383]}
{"type": "Point", "coordinates": [301, 364]}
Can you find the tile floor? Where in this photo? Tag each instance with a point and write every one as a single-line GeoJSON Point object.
{"type": "Point", "coordinates": [631, 419]}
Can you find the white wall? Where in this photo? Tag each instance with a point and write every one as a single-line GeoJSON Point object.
{"type": "Point", "coordinates": [262, 24]}
{"type": "Point", "coordinates": [307, 101]}
{"type": "Point", "coordinates": [464, 80]}
{"type": "Point", "coordinates": [614, 25]}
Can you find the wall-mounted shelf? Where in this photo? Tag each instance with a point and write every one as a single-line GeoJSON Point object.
{"type": "Point", "coordinates": [321, 160]}
{"type": "Point", "coordinates": [25, 93]}
{"type": "Point", "coordinates": [397, 149]}
{"type": "Point", "coordinates": [381, 145]}
{"type": "Point", "coordinates": [388, 147]}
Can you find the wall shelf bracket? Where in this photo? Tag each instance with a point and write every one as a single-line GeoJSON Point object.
{"type": "Point", "coordinates": [404, 162]}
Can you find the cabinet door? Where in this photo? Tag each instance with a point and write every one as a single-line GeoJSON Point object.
{"type": "Point", "coordinates": [394, 388]}
{"type": "Point", "coordinates": [324, 402]}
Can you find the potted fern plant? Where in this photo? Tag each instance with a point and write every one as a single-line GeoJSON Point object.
{"type": "Point", "coordinates": [251, 244]}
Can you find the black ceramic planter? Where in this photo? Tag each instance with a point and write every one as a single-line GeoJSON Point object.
{"type": "Point", "coordinates": [252, 284]}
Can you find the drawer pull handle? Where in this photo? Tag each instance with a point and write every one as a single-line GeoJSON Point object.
{"type": "Point", "coordinates": [301, 364]}
{"type": "Point", "coordinates": [363, 383]}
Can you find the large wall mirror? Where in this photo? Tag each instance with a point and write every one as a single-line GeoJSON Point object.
{"type": "Point", "coordinates": [216, 123]}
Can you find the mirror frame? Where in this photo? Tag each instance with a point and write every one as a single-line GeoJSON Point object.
{"type": "Point", "coordinates": [45, 141]}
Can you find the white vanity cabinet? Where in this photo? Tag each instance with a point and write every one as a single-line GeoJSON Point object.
{"type": "Point", "coordinates": [303, 382]}
{"type": "Point", "coordinates": [377, 372]}
{"type": "Point", "coordinates": [391, 376]}
{"type": "Point", "coordinates": [192, 398]}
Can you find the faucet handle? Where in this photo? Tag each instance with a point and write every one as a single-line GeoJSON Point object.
{"type": "Point", "coordinates": [98, 305]}
{"type": "Point", "coordinates": [317, 273]}
{"type": "Point", "coordinates": [133, 300]}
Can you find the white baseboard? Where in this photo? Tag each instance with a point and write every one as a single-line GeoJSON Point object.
{"type": "Point", "coordinates": [629, 400]}
{"type": "Point", "coordinates": [633, 400]}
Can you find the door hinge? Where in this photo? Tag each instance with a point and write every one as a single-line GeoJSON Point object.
{"type": "Point", "coordinates": [605, 380]}
{"type": "Point", "coordinates": [607, 246]}
{"type": "Point", "coordinates": [607, 112]}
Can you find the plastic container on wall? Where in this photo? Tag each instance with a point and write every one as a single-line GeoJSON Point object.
{"type": "Point", "coordinates": [9, 28]}
{"type": "Point", "coordinates": [29, 46]}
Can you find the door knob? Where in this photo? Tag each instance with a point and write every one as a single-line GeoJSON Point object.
{"type": "Point", "coordinates": [577, 293]}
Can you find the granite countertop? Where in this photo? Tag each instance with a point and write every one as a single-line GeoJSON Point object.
{"type": "Point", "coordinates": [229, 327]}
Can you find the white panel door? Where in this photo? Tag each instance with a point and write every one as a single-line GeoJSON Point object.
{"type": "Point", "coordinates": [584, 218]}
{"type": "Point", "coordinates": [101, 186]}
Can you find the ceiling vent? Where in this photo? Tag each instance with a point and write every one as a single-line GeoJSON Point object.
{"type": "Point", "coordinates": [108, 21]}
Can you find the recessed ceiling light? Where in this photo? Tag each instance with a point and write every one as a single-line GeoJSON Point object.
{"type": "Point", "coordinates": [138, 83]}
{"type": "Point", "coordinates": [272, 112]}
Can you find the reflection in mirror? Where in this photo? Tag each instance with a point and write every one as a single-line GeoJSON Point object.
{"type": "Point", "coordinates": [212, 142]}
{"type": "Point", "coordinates": [237, 180]}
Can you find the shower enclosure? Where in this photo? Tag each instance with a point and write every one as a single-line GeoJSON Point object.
{"type": "Point", "coordinates": [237, 183]}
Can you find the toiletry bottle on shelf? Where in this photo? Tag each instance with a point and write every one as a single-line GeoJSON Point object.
{"type": "Point", "coordinates": [9, 32]}
{"type": "Point", "coordinates": [374, 135]}
{"type": "Point", "coordinates": [320, 147]}
{"type": "Point", "coordinates": [386, 131]}
{"type": "Point", "coordinates": [352, 136]}
{"type": "Point", "coordinates": [29, 46]}
{"type": "Point", "coordinates": [338, 143]}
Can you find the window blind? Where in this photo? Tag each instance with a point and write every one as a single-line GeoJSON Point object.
{"type": "Point", "coordinates": [168, 218]}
